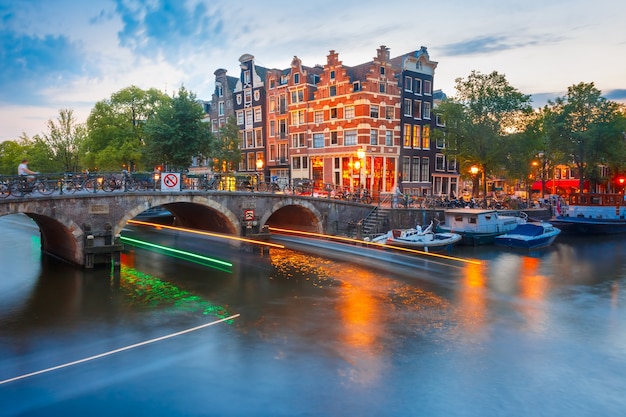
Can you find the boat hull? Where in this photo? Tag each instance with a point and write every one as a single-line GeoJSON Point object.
{"type": "Point", "coordinates": [440, 242]}
{"type": "Point", "coordinates": [513, 242]}
{"type": "Point", "coordinates": [579, 225]}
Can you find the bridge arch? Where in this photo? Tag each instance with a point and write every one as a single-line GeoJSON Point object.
{"type": "Point", "coordinates": [192, 212]}
{"type": "Point", "coordinates": [296, 215]}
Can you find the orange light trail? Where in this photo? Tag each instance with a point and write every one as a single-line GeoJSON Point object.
{"type": "Point", "coordinates": [380, 245]}
{"type": "Point", "coordinates": [205, 233]}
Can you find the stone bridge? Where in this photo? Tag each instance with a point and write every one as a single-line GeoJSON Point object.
{"type": "Point", "coordinates": [84, 229]}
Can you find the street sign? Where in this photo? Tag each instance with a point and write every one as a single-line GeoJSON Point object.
{"type": "Point", "coordinates": [248, 215]}
{"type": "Point", "coordinates": [170, 181]}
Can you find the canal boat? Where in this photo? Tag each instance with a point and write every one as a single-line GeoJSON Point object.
{"type": "Point", "coordinates": [479, 226]}
{"type": "Point", "coordinates": [418, 238]}
{"type": "Point", "coordinates": [591, 213]}
{"type": "Point", "coordinates": [532, 235]}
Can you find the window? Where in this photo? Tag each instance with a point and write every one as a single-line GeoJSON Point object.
{"type": "Point", "coordinates": [219, 90]}
{"type": "Point", "coordinates": [334, 138]}
{"type": "Point", "coordinates": [408, 84]}
{"type": "Point", "coordinates": [257, 114]}
{"type": "Point", "coordinates": [406, 168]}
{"type": "Point", "coordinates": [249, 139]}
{"type": "Point", "coordinates": [417, 86]}
{"type": "Point", "coordinates": [382, 70]}
{"type": "Point", "coordinates": [296, 78]}
{"type": "Point", "coordinates": [297, 96]}
{"type": "Point", "coordinates": [407, 106]}
{"type": "Point", "coordinates": [356, 86]}
{"type": "Point", "coordinates": [318, 140]}
{"type": "Point", "coordinates": [297, 140]}
{"type": "Point", "coordinates": [272, 105]}
{"type": "Point", "coordinates": [220, 108]}
{"type": "Point", "coordinates": [297, 117]}
{"type": "Point", "coordinates": [451, 164]}
{"type": "Point", "coordinates": [425, 174]}
{"type": "Point", "coordinates": [407, 136]}
{"type": "Point", "coordinates": [427, 87]}
{"type": "Point", "coordinates": [258, 138]}
{"type": "Point", "coordinates": [239, 117]}
{"type": "Point", "coordinates": [296, 163]}
{"type": "Point", "coordinates": [214, 125]}
{"type": "Point", "coordinates": [441, 142]}
{"type": "Point", "coordinates": [382, 87]}
{"type": "Point", "coordinates": [332, 75]}
{"type": "Point", "coordinates": [272, 127]}
{"type": "Point", "coordinates": [319, 116]}
{"type": "Point", "coordinates": [333, 113]}
{"type": "Point", "coordinates": [282, 128]}
{"type": "Point", "coordinates": [416, 137]}
{"type": "Point", "coordinates": [349, 137]}
{"type": "Point", "coordinates": [373, 137]}
{"type": "Point", "coordinates": [246, 77]}
{"type": "Point", "coordinates": [247, 98]}
{"type": "Point", "coordinates": [440, 162]}
{"type": "Point", "coordinates": [349, 112]}
{"type": "Point", "coordinates": [426, 137]}
{"type": "Point", "coordinates": [389, 112]}
{"type": "Point", "coordinates": [373, 111]}
{"type": "Point", "coordinates": [439, 120]}
{"type": "Point", "coordinates": [415, 169]}
{"type": "Point", "coordinates": [417, 109]}
{"type": "Point", "coordinates": [332, 91]}
{"type": "Point", "coordinates": [389, 138]}
{"type": "Point", "coordinates": [249, 119]}
{"type": "Point", "coordinates": [426, 110]}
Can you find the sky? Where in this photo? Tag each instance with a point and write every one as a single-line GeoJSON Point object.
{"type": "Point", "coordinates": [70, 54]}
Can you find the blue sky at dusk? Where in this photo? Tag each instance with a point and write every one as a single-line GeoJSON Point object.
{"type": "Point", "coordinates": [71, 54]}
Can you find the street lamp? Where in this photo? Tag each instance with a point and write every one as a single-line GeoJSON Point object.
{"type": "Point", "coordinates": [259, 167]}
{"type": "Point", "coordinates": [474, 172]}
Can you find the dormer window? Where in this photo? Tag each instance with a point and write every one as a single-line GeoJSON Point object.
{"type": "Point", "coordinates": [332, 75]}
{"type": "Point", "coordinates": [296, 78]}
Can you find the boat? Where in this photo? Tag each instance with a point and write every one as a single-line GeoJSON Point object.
{"type": "Point", "coordinates": [592, 213]}
{"type": "Point", "coordinates": [480, 226]}
{"type": "Point", "coordinates": [418, 238]}
{"type": "Point", "coordinates": [531, 235]}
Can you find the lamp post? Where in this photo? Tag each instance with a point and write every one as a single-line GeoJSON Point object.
{"type": "Point", "coordinates": [360, 154]}
{"type": "Point", "coordinates": [474, 172]}
{"type": "Point", "coordinates": [259, 168]}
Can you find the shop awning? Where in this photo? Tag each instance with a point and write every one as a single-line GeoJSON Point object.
{"type": "Point", "coordinates": [550, 184]}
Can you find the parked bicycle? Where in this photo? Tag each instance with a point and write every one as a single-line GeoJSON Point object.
{"type": "Point", "coordinates": [123, 181]}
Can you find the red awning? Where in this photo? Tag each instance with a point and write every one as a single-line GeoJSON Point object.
{"type": "Point", "coordinates": [559, 184]}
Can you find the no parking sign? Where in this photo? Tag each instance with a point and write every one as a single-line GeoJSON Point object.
{"type": "Point", "coordinates": [170, 181]}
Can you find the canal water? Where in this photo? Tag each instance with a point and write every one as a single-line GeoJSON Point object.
{"type": "Point", "coordinates": [223, 332]}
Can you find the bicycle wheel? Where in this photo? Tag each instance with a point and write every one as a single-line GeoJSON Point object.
{"type": "Point", "coordinates": [90, 185]}
{"type": "Point", "coordinates": [109, 184]}
{"type": "Point", "coordinates": [44, 187]}
{"type": "Point", "coordinates": [130, 185]}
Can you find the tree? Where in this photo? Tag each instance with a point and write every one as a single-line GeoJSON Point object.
{"type": "Point", "coordinates": [225, 152]}
{"type": "Point", "coordinates": [65, 138]}
{"type": "Point", "coordinates": [116, 127]}
{"type": "Point", "coordinates": [177, 133]}
{"type": "Point", "coordinates": [484, 112]}
{"type": "Point", "coordinates": [593, 130]}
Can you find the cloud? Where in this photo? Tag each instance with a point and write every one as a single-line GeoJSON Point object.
{"type": "Point", "coordinates": [29, 63]}
{"type": "Point", "coordinates": [491, 44]}
{"type": "Point", "coordinates": [169, 27]}
{"type": "Point", "coordinates": [616, 95]}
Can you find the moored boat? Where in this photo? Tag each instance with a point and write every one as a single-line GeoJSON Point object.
{"type": "Point", "coordinates": [590, 213]}
{"type": "Point", "coordinates": [533, 235]}
{"type": "Point", "coordinates": [418, 238]}
{"type": "Point", "coordinates": [479, 226]}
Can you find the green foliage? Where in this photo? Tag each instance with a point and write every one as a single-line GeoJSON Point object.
{"type": "Point", "coordinates": [225, 152]}
{"type": "Point", "coordinates": [480, 119]}
{"type": "Point", "coordinates": [116, 128]}
{"type": "Point", "coordinates": [176, 133]}
{"type": "Point", "coordinates": [65, 139]}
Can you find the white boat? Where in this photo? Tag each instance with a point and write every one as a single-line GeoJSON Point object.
{"type": "Point", "coordinates": [416, 238]}
{"type": "Point", "coordinates": [532, 235]}
{"type": "Point", "coordinates": [479, 226]}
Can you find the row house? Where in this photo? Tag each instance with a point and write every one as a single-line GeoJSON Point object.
{"type": "Point", "coordinates": [250, 112]}
{"type": "Point", "coordinates": [425, 169]}
{"type": "Point", "coordinates": [363, 126]}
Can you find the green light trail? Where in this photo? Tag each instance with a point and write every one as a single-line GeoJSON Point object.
{"type": "Point", "coordinates": [205, 260]}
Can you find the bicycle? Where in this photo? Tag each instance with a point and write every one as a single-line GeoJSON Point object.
{"type": "Point", "coordinates": [115, 182]}
{"type": "Point", "coordinates": [25, 185]}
